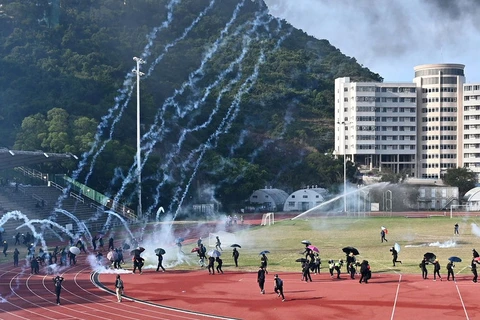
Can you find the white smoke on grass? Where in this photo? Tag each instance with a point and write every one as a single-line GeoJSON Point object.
{"type": "Point", "coordinates": [475, 229]}
{"type": "Point", "coordinates": [103, 266]}
{"type": "Point", "coordinates": [445, 244]}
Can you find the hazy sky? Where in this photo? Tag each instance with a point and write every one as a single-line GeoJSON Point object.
{"type": "Point", "coordinates": [390, 37]}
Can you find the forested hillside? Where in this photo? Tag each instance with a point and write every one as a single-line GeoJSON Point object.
{"type": "Point", "coordinates": [231, 97]}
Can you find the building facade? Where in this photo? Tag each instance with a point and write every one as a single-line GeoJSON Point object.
{"type": "Point", "coordinates": [422, 128]}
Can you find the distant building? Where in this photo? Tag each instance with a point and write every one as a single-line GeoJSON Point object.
{"type": "Point", "coordinates": [268, 199]}
{"type": "Point", "coordinates": [472, 199]}
{"type": "Point", "coordinates": [305, 199]}
{"type": "Point", "coordinates": [421, 128]}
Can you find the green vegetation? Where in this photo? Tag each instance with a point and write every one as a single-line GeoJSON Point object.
{"type": "Point", "coordinates": [62, 63]}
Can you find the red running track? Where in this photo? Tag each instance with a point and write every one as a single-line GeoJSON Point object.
{"type": "Point", "coordinates": [197, 295]}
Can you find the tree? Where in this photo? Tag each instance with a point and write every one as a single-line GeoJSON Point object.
{"type": "Point", "coordinates": [463, 178]}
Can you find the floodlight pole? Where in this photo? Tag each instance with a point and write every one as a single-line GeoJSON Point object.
{"type": "Point", "coordinates": [139, 169]}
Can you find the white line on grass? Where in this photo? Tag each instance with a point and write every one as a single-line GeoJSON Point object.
{"type": "Point", "coordinates": [461, 300]}
{"type": "Point", "coordinates": [396, 297]}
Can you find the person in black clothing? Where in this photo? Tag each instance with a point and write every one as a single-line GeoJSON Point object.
{"type": "Point", "coordinates": [382, 234]}
{"type": "Point", "coordinates": [394, 256]}
{"type": "Point", "coordinates": [54, 255]}
{"type": "Point", "coordinates": [5, 247]}
{"type": "Point", "coordinates": [219, 265]}
{"type": "Point", "coordinates": [261, 279]}
{"type": "Point", "coordinates": [218, 245]}
{"type": "Point", "coordinates": [475, 253]}
{"type": "Point", "coordinates": [72, 258]}
{"type": "Point", "coordinates": [58, 287]}
{"type": "Point", "coordinates": [235, 256]}
{"type": "Point", "coordinates": [338, 267]}
{"type": "Point", "coordinates": [160, 261]}
{"type": "Point", "coordinates": [211, 265]}
{"type": "Point", "coordinates": [423, 266]}
{"type": "Point", "coordinates": [201, 254]}
{"type": "Point", "coordinates": [450, 267]}
{"type": "Point", "coordinates": [137, 263]}
{"type": "Point", "coordinates": [473, 266]}
{"type": "Point", "coordinates": [94, 243]}
{"type": "Point", "coordinates": [455, 229]}
{"type": "Point", "coordinates": [352, 270]}
{"type": "Point", "coordinates": [34, 266]}
{"type": "Point", "coordinates": [17, 238]}
{"type": "Point", "coordinates": [100, 243]}
{"type": "Point", "coordinates": [110, 244]}
{"type": "Point", "coordinates": [365, 272]}
{"type": "Point", "coordinates": [306, 271]}
{"type": "Point", "coordinates": [15, 257]}
{"type": "Point", "coordinates": [436, 270]}
{"type": "Point", "coordinates": [278, 286]}
{"type": "Point", "coordinates": [264, 262]}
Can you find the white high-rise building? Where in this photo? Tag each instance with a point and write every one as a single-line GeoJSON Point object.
{"type": "Point", "coordinates": [420, 128]}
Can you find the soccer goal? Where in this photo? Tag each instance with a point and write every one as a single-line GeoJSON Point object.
{"type": "Point", "coordinates": [226, 239]}
{"type": "Point", "coordinates": [268, 219]}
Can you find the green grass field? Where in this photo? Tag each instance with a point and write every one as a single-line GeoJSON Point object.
{"type": "Point", "coordinates": [330, 235]}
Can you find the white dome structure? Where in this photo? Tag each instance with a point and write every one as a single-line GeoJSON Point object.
{"type": "Point", "coordinates": [269, 199]}
{"type": "Point", "coordinates": [472, 199]}
{"type": "Point", "coordinates": [305, 199]}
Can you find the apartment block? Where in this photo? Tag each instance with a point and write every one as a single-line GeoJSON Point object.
{"type": "Point", "coordinates": [422, 128]}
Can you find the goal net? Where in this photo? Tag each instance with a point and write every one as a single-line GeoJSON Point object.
{"type": "Point", "coordinates": [268, 219]}
{"type": "Point", "coordinates": [226, 239]}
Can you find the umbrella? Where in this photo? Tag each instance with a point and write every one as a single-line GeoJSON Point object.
{"type": "Point", "coordinates": [178, 240]}
{"type": "Point", "coordinates": [430, 256]}
{"type": "Point", "coordinates": [353, 250]}
{"type": "Point", "coordinates": [455, 259]}
{"type": "Point", "coordinates": [477, 259]}
{"type": "Point", "coordinates": [141, 249]}
{"type": "Point", "coordinates": [74, 250]}
{"type": "Point", "coordinates": [313, 248]}
{"type": "Point", "coordinates": [214, 253]}
{"type": "Point", "coordinates": [235, 245]}
{"type": "Point", "coordinates": [159, 251]}
{"type": "Point", "coordinates": [112, 256]}
{"type": "Point", "coordinates": [306, 242]}
{"type": "Point", "coordinates": [135, 252]}
{"type": "Point", "coordinates": [301, 260]}
{"type": "Point", "coordinates": [383, 228]}
{"type": "Point", "coordinates": [397, 247]}
{"type": "Point", "coordinates": [264, 252]}
{"type": "Point", "coordinates": [196, 249]}
{"type": "Point", "coordinates": [126, 246]}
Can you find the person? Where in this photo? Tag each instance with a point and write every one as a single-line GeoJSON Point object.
{"type": "Point", "coordinates": [15, 257]}
{"type": "Point", "coordinates": [261, 279]}
{"type": "Point", "coordinates": [450, 266]}
{"type": "Point", "coordinates": [423, 266]}
{"type": "Point", "coordinates": [473, 266]}
{"type": "Point", "coordinates": [94, 243]}
{"type": "Point", "coordinates": [235, 255]}
{"type": "Point", "coordinates": [218, 245]}
{"type": "Point", "coordinates": [436, 270]}
{"type": "Point", "coordinates": [331, 267]}
{"type": "Point", "coordinates": [137, 263]}
{"type": "Point", "coordinates": [73, 259]}
{"type": "Point", "coordinates": [99, 257]}
{"type": "Point", "coordinates": [317, 263]}
{"type": "Point", "coordinates": [351, 270]}
{"type": "Point", "coordinates": [55, 254]}
{"type": "Point", "coordinates": [455, 230]}
{"type": "Point", "coordinates": [63, 257]}
{"type": "Point", "coordinates": [365, 273]}
{"type": "Point", "coordinates": [5, 247]}
{"type": "Point", "coordinates": [199, 242]}
{"type": "Point", "coordinates": [160, 261]}
{"type": "Point", "coordinates": [58, 287]}
{"type": "Point", "coordinates": [119, 288]}
{"type": "Point", "coordinates": [219, 265]}
{"type": "Point", "coordinates": [201, 255]}
{"type": "Point", "coordinates": [338, 267]}
{"type": "Point", "coordinates": [278, 286]}
{"type": "Point", "coordinates": [17, 238]}
{"type": "Point", "coordinates": [306, 271]}
{"type": "Point", "coordinates": [394, 256]}
{"type": "Point", "coordinates": [100, 243]}
{"type": "Point", "coordinates": [475, 253]}
{"type": "Point", "coordinates": [211, 265]}
{"type": "Point", "coordinates": [110, 244]}
{"type": "Point", "coordinates": [264, 262]}
{"type": "Point", "coordinates": [179, 245]}
{"type": "Point", "coordinates": [382, 234]}
{"type": "Point", "coordinates": [34, 265]}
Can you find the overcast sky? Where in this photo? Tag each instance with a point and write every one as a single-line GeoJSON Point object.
{"type": "Point", "coordinates": [390, 37]}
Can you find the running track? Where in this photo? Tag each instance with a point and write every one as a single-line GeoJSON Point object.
{"type": "Point", "coordinates": [234, 295]}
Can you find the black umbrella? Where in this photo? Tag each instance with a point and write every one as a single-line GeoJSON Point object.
{"type": "Point", "coordinates": [136, 252]}
{"type": "Point", "coordinates": [455, 259]}
{"type": "Point", "coordinates": [301, 260]}
{"type": "Point", "coordinates": [264, 252]}
{"type": "Point", "coordinates": [235, 245]}
{"type": "Point", "coordinates": [159, 251]}
{"type": "Point", "coordinates": [430, 256]}
{"type": "Point", "coordinates": [349, 250]}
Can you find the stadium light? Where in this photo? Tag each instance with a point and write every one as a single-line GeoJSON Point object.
{"type": "Point", "coordinates": [139, 171]}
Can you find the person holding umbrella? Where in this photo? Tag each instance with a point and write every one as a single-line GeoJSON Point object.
{"type": "Point", "coordinates": [160, 261]}
{"type": "Point", "coordinates": [137, 263]}
{"type": "Point", "coordinates": [235, 255]}
{"type": "Point", "coordinates": [450, 266]}
{"type": "Point", "coordinates": [264, 262]}
{"type": "Point", "coordinates": [423, 266]}
{"type": "Point", "coordinates": [57, 281]}
{"type": "Point", "coordinates": [261, 279]}
{"type": "Point", "coordinates": [394, 256]}
{"type": "Point", "coordinates": [382, 235]}
{"type": "Point", "coordinates": [211, 265]}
